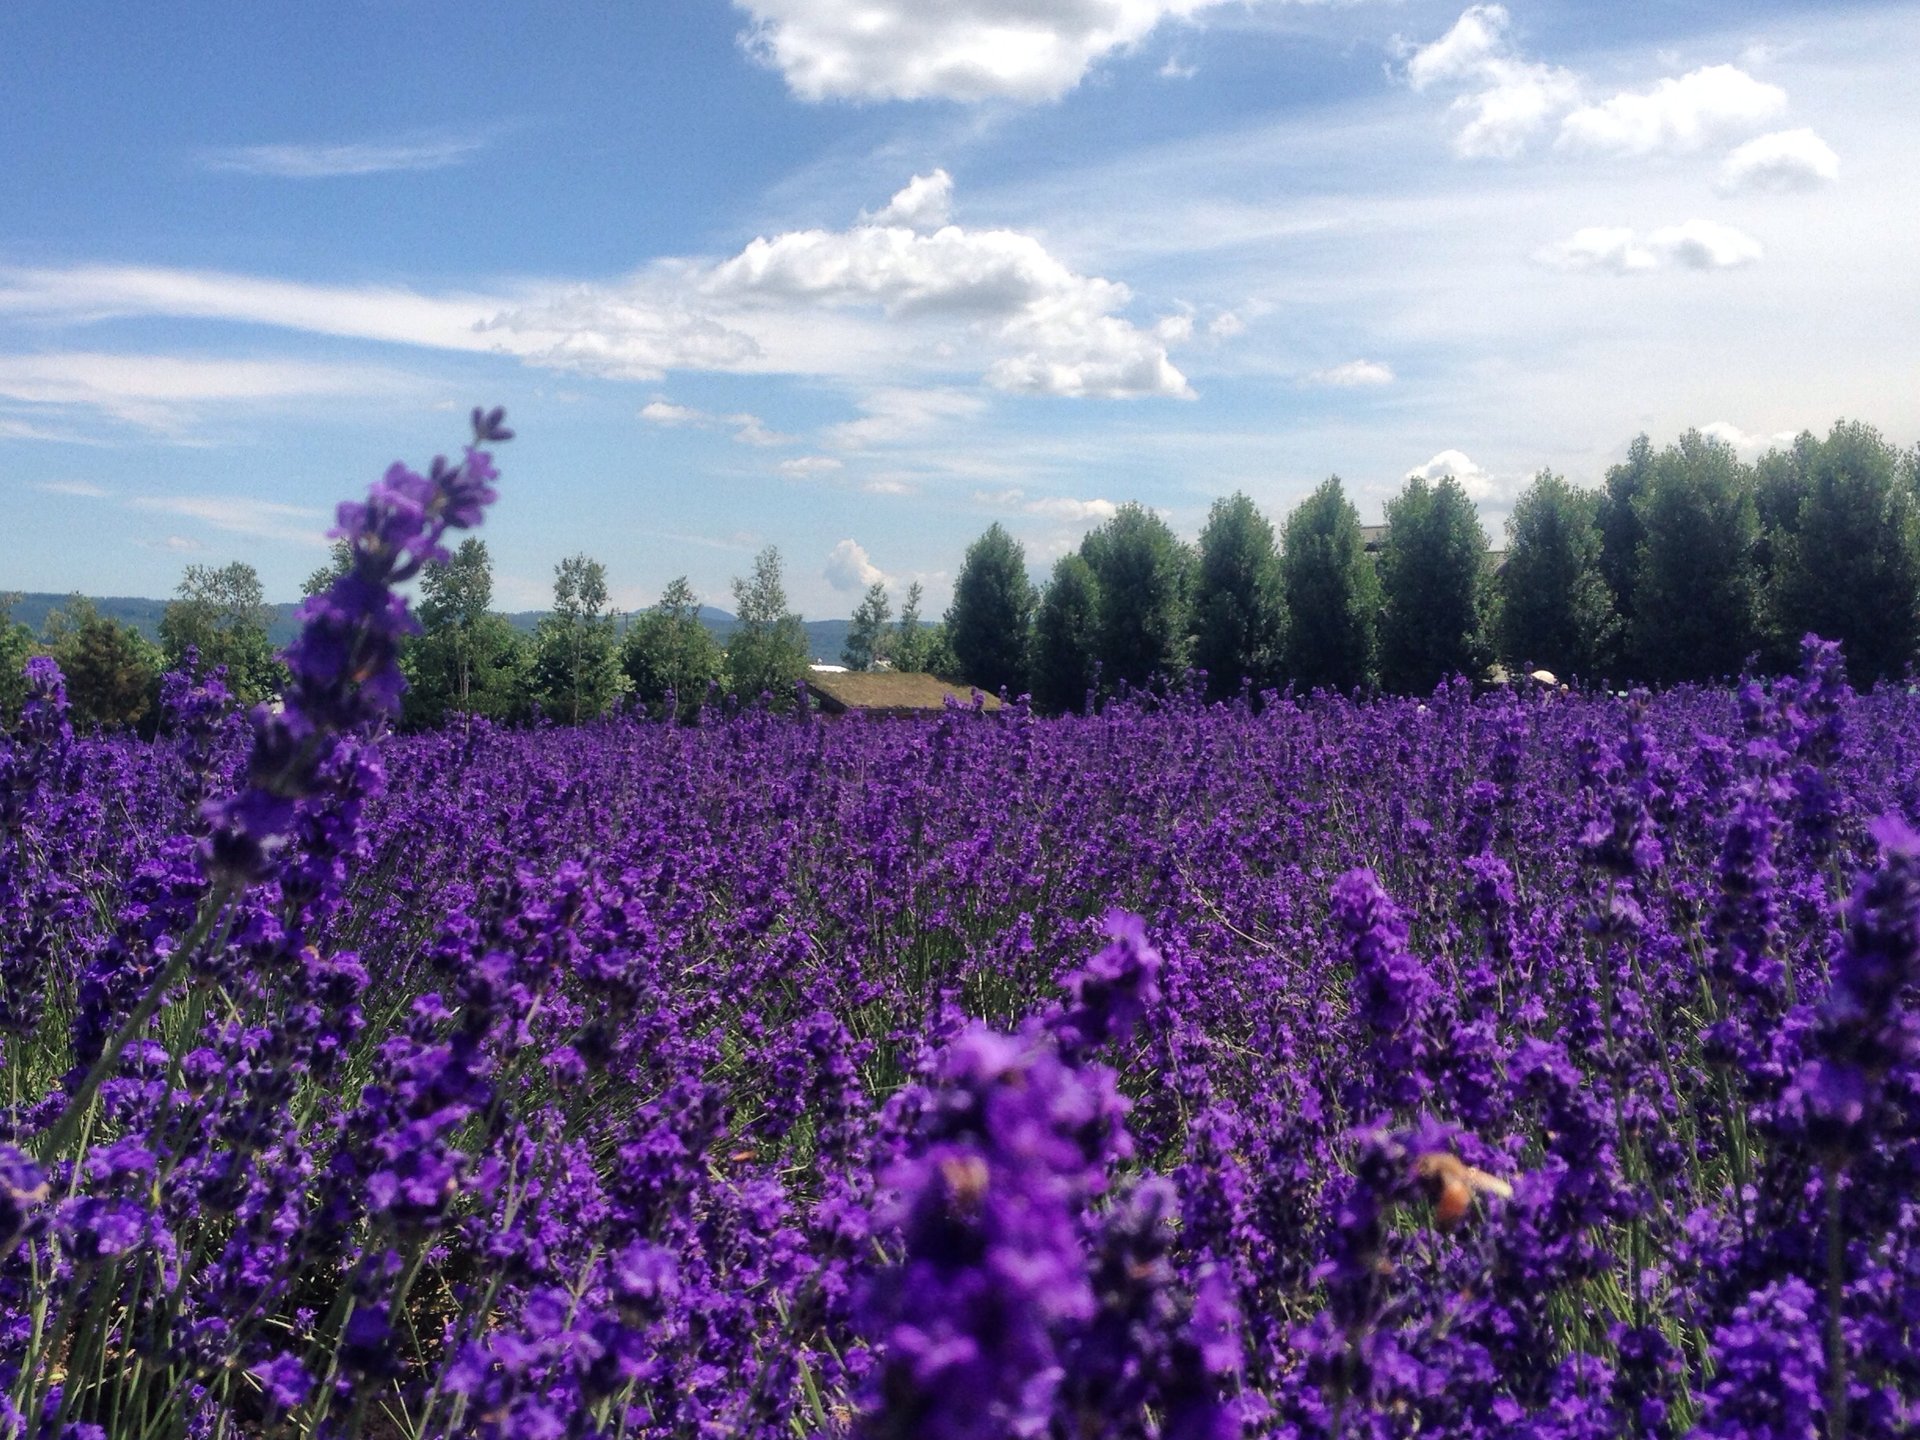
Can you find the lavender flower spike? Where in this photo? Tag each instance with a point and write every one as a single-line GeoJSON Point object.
{"type": "Point", "coordinates": [344, 667]}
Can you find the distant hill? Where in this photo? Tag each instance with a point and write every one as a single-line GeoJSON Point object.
{"type": "Point", "coordinates": [826, 638]}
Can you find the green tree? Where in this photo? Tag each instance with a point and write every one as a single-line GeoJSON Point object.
{"type": "Point", "coordinates": [913, 644]}
{"type": "Point", "coordinates": [767, 652]}
{"type": "Point", "coordinates": [990, 622]}
{"type": "Point", "coordinates": [112, 670]}
{"type": "Point", "coordinates": [867, 637]}
{"type": "Point", "coordinates": [467, 660]}
{"type": "Point", "coordinates": [1239, 614]}
{"type": "Point", "coordinates": [670, 650]}
{"type": "Point", "coordinates": [1331, 593]}
{"type": "Point", "coordinates": [1145, 576]}
{"type": "Point", "coordinates": [1433, 587]}
{"type": "Point", "coordinates": [1696, 592]}
{"type": "Point", "coordinates": [1846, 561]}
{"type": "Point", "coordinates": [1556, 608]}
{"type": "Point", "coordinates": [223, 614]}
{"type": "Point", "coordinates": [16, 648]}
{"type": "Point", "coordinates": [1620, 528]}
{"type": "Point", "coordinates": [1065, 633]}
{"type": "Point", "coordinates": [576, 659]}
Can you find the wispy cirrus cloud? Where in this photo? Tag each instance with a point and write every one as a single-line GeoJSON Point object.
{"type": "Point", "coordinates": [242, 515]}
{"type": "Point", "coordinates": [748, 429]}
{"type": "Point", "coordinates": [897, 299]}
{"type": "Point", "coordinates": [322, 161]}
{"type": "Point", "coordinates": [162, 392]}
{"type": "Point", "coordinates": [81, 489]}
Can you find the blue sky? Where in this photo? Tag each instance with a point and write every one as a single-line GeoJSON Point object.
{"type": "Point", "coordinates": [859, 277]}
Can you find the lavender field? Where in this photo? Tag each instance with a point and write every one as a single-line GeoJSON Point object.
{"type": "Point", "coordinates": [1529, 1064]}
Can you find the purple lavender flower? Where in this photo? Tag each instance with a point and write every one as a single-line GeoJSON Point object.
{"type": "Point", "coordinates": [344, 671]}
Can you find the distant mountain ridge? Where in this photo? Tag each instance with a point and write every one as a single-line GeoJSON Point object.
{"type": "Point", "coordinates": [825, 638]}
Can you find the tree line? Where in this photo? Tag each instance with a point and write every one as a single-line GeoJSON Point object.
{"type": "Point", "coordinates": [1687, 564]}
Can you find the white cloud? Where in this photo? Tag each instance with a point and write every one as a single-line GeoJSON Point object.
{"type": "Point", "coordinates": [1473, 478]}
{"type": "Point", "coordinates": [85, 489]}
{"type": "Point", "coordinates": [242, 515]}
{"type": "Point", "coordinates": [886, 485]}
{"type": "Point", "coordinates": [1705, 245]}
{"type": "Point", "coordinates": [925, 203]}
{"type": "Point", "coordinates": [178, 544]}
{"type": "Point", "coordinates": [319, 162]}
{"type": "Point", "coordinates": [1748, 446]}
{"type": "Point", "coordinates": [1226, 325]}
{"type": "Point", "coordinates": [1000, 285]}
{"type": "Point", "coordinates": [1353, 374]}
{"type": "Point", "coordinates": [1675, 115]}
{"type": "Point", "coordinates": [1174, 70]}
{"type": "Point", "coordinates": [953, 49]}
{"type": "Point", "coordinates": [665, 412]}
{"type": "Point", "coordinates": [1784, 161]}
{"type": "Point", "coordinates": [747, 429]}
{"type": "Point", "coordinates": [1047, 507]}
{"type": "Point", "coordinates": [104, 292]}
{"type": "Point", "coordinates": [1600, 247]}
{"type": "Point", "coordinates": [895, 413]}
{"type": "Point", "coordinates": [160, 391]}
{"type": "Point", "coordinates": [871, 301]}
{"type": "Point", "coordinates": [1693, 245]}
{"type": "Point", "coordinates": [805, 465]}
{"type": "Point", "coordinates": [1507, 98]}
{"type": "Point", "coordinates": [848, 567]}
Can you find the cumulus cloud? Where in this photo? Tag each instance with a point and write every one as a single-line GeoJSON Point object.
{"type": "Point", "coordinates": [322, 162]}
{"type": "Point", "coordinates": [1506, 98]}
{"type": "Point", "coordinates": [848, 567]}
{"type": "Point", "coordinates": [1047, 507]}
{"type": "Point", "coordinates": [1226, 325]}
{"type": "Point", "coordinates": [1354, 374]}
{"type": "Point", "coordinates": [1061, 327]}
{"type": "Point", "coordinates": [663, 412]}
{"type": "Point", "coordinates": [925, 203]}
{"type": "Point", "coordinates": [1784, 161]}
{"type": "Point", "coordinates": [1749, 446]}
{"type": "Point", "coordinates": [1704, 245]}
{"type": "Point", "coordinates": [1675, 115]}
{"type": "Point", "coordinates": [969, 50]}
{"type": "Point", "coordinates": [1693, 245]}
{"type": "Point", "coordinates": [1473, 479]}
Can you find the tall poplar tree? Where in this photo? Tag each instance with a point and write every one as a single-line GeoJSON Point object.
{"type": "Point", "coordinates": [1065, 634]}
{"type": "Point", "coordinates": [1331, 592]}
{"type": "Point", "coordinates": [1696, 612]}
{"type": "Point", "coordinates": [1433, 587]}
{"type": "Point", "coordinates": [990, 623]}
{"type": "Point", "coordinates": [1144, 575]}
{"type": "Point", "coordinates": [1239, 613]}
{"type": "Point", "coordinates": [1556, 609]}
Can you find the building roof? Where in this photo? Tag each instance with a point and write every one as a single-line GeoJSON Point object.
{"type": "Point", "coordinates": [890, 693]}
